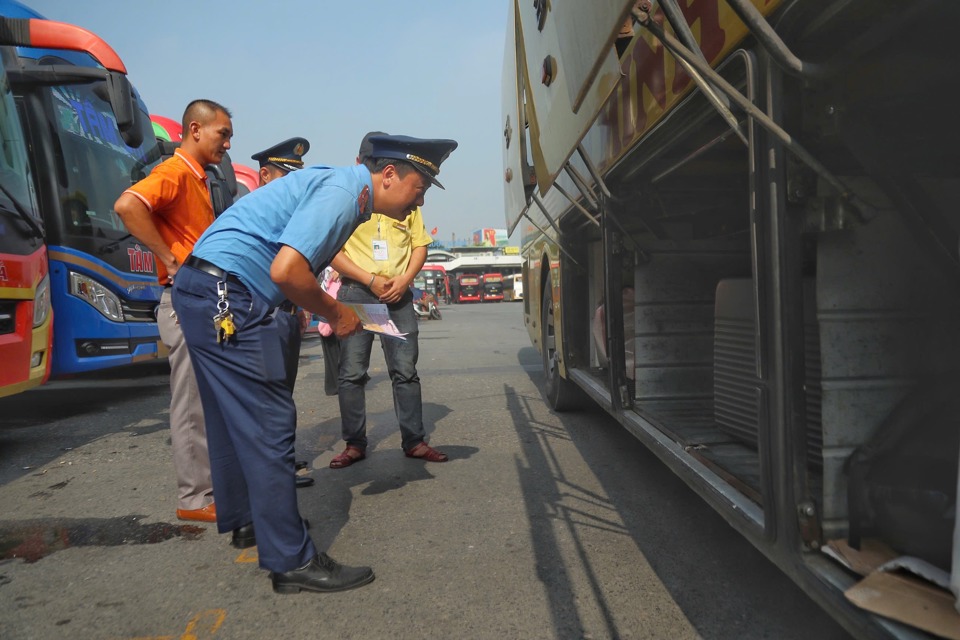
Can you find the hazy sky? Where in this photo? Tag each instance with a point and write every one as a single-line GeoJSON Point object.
{"type": "Point", "coordinates": [329, 71]}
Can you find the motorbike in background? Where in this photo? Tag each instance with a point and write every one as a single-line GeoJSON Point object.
{"type": "Point", "coordinates": [425, 305]}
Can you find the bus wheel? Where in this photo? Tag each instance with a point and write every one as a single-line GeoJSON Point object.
{"type": "Point", "coordinates": [560, 393]}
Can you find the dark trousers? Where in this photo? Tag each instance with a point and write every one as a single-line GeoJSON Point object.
{"type": "Point", "coordinates": [401, 358]}
{"type": "Point", "coordinates": [250, 417]}
{"type": "Point", "coordinates": [331, 363]}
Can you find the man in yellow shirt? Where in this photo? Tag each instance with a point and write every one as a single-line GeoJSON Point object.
{"type": "Point", "coordinates": [377, 265]}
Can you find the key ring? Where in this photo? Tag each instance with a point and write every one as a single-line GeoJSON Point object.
{"type": "Point", "coordinates": [223, 305]}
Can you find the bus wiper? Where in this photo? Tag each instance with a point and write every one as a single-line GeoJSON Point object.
{"type": "Point", "coordinates": [32, 222]}
{"type": "Point", "coordinates": [54, 74]}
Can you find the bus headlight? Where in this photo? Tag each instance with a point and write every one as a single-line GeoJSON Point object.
{"type": "Point", "coordinates": [41, 302]}
{"type": "Point", "coordinates": [96, 295]}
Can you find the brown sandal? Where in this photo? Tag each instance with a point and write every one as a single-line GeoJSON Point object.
{"type": "Point", "coordinates": [424, 451]}
{"type": "Point", "coordinates": [347, 457]}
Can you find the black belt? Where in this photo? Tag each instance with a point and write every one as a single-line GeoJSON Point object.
{"type": "Point", "coordinates": [207, 267]}
{"type": "Point", "coordinates": [287, 307]}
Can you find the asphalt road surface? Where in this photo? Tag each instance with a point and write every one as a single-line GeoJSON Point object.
{"type": "Point", "coordinates": [541, 525]}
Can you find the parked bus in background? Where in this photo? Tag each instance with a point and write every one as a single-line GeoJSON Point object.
{"type": "Point", "coordinates": [513, 286]}
{"type": "Point", "coordinates": [247, 179]}
{"type": "Point", "coordinates": [165, 128]}
{"type": "Point", "coordinates": [435, 281]}
{"type": "Point", "coordinates": [468, 288]}
{"type": "Point", "coordinates": [90, 138]}
{"type": "Point", "coordinates": [26, 321]}
{"type": "Point", "coordinates": [740, 235]}
{"type": "Point", "coordinates": [491, 287]}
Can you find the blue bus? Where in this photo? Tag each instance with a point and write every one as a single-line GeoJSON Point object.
{"type": "Point", "coordinates": [89, 137]}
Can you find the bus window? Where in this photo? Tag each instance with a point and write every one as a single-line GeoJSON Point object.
{"type": "Point", "coordinates": [97, 165]}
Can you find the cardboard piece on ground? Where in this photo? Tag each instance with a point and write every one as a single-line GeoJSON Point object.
{"type": "Point", "coordinates": [871, 555]}
{"type": "Point", "coordinates": [907, 599]}
{"type": "Point", "coordinates": [920, 568]}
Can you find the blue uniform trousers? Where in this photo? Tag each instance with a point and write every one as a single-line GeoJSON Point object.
{"type": "Point", "coordinates": [250, 417]}
{"type": "Point", "coordinates": [401, 358]}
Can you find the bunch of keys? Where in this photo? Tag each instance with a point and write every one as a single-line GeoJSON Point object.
{"type": "Point", "coordinates": [223, 325]}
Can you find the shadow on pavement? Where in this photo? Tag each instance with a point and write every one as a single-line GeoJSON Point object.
{"type": "Point", "coordinates": [678, 534]}
{"type": "Point", "coordinates": [39, 425]}
{"type": "Point", "coordinates": [384, 469]}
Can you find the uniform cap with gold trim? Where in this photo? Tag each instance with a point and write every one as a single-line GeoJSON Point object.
{"type": "Point", "coordinates": [426, 155]}
{"type": "Point", "coordinates": [287, 155]}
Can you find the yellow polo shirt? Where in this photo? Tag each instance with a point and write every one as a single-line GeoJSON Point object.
{"type": "Point", "coordinates": [383, 246]}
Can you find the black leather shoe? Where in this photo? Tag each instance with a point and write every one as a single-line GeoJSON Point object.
{"type": "Point", "coordinates": [321, 574]}
{"type": "Point", "coordinates": [243, 537]}
{"type": "Point", "coordinates": [304, 481]}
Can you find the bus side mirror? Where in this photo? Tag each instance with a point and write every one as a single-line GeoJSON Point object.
{"type": "Point", "coordinates": [133, 137]}
{"type": "Point", "coordinates": [120, 95]}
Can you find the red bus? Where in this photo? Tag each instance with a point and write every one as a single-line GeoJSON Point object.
{"type": "Point", "coordinates": [492, 289]}
{"type": "Point", "coordinates": [435, 281]}
{"type": "Point", "coordinates": [26, 317]}
{"type": "Point", "coordinates": [26, 320]}
{"type": "Point", "coordinates": [248, 179]}
{"type": "Point", "coordinates": [468, 288]}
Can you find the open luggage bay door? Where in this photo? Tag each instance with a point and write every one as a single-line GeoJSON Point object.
{"type": "Point", "coordinates": [518, 174]}
{"type": "Point", "coordinates": [570, 77]}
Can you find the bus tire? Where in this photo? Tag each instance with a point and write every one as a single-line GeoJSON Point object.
{"type": "Point", "coordinates": [560, 393]}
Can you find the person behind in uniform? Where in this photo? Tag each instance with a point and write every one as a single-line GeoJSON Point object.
{"type": "Point", "coordinates": [269, 247]}
{"type": "Point", "coordinates": [168, 211]}
{"type": "Point", "coordinates": [377, 266]}
{"type": "Point", "coordinates": [281, 159]}
{"type": "Point", "coordinates": [276, 162]}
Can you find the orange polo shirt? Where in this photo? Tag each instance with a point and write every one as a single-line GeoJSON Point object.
{"type": "Point", "coordinates": [176, 194]}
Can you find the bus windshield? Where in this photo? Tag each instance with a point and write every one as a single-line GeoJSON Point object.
{"type": "Point", "coordinates": [17, 197]}
{"type": "Point", "coordinates": [97, 168]}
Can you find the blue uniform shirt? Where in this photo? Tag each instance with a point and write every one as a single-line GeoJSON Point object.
{"type": "Point", "coordinates": [313, 210]}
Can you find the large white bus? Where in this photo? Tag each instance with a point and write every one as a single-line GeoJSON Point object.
{"type": "Point", "coordinates": [513, 286]}
{"type": "Point", "coordinates": [740, 226]}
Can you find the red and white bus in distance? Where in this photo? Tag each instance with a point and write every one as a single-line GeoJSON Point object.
{"type": "Point", "coordinates": [468, 288]}
{"type": "Point", "coordinates": [492, 289]}
{"type": "Point", "coordinates": [435, 281]}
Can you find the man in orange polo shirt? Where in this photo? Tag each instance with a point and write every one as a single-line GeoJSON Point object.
{"type": "Point", "coordinates": [168, 211]}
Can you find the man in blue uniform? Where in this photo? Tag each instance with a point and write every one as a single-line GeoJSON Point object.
{"type": "Point", "coordinates": [263, 250]}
